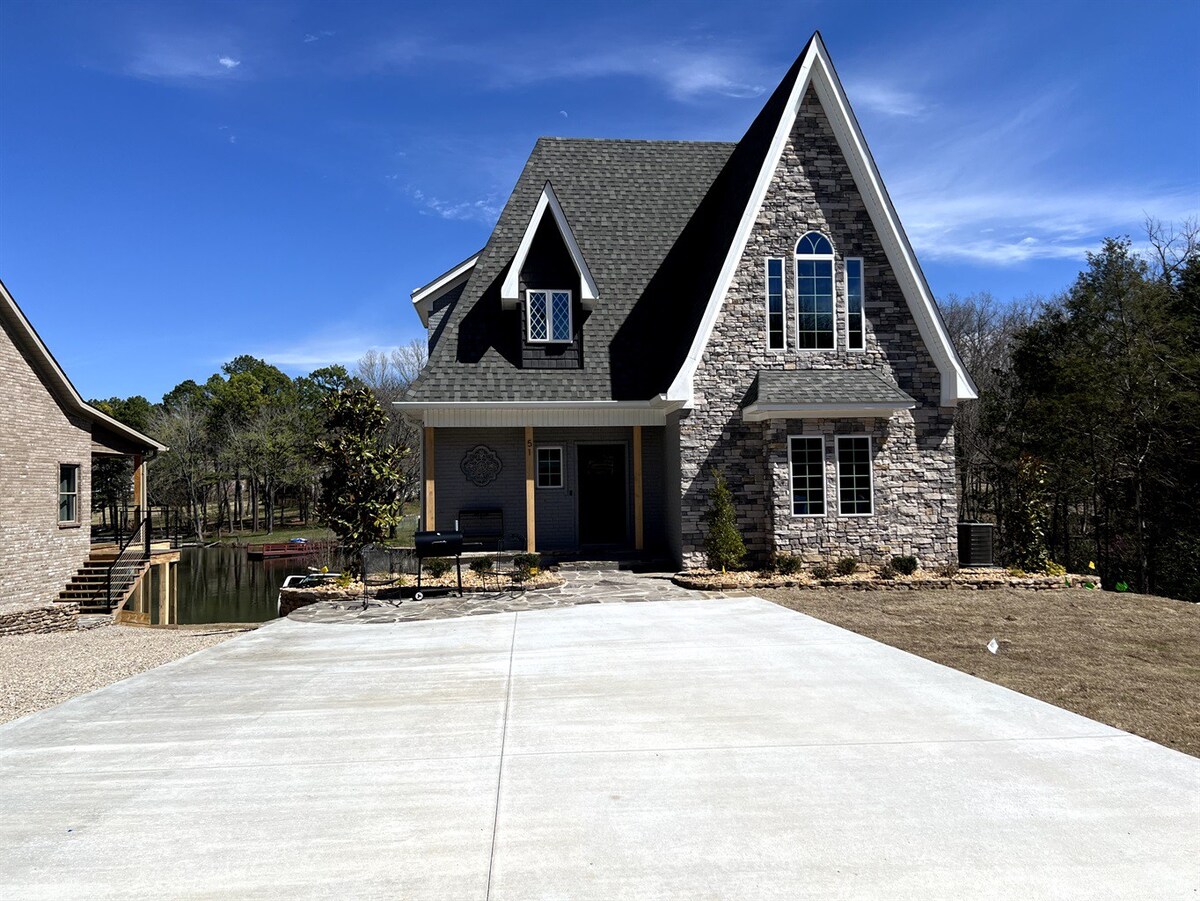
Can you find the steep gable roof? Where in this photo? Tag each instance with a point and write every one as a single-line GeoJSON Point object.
{"type": "Point", "coordinates": [814, 68]}
{"type": "Point", "coordinates": [662, 226]}
{"type": "Point", "coordinates": [548, 203]}
{"type": "Point", "coordinates": [28, 340]}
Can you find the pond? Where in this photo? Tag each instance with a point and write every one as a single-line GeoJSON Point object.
{"type": "Point", "coordinates": [221, 584]}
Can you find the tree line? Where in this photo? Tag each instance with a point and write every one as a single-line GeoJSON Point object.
{"type": "Point", "coordinates": [1084, 445]}
{"type": "Point", "coordinates": [243, 443]}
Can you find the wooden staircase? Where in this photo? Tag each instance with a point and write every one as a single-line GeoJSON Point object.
{"type": "Point", "coordinates": [87, 587]}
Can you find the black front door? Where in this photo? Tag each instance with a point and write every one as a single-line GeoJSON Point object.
{"type": "Point", "coordinates": [602, 494]}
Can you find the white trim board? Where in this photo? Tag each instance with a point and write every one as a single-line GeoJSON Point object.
{"type": "Point", "coordinates": [817, 69]}
{"type": "Point", "coordinates": [424, 297]}
{"type": "Point", "coordinates": [541, 414]}
{"type": "Point", "coordinates": [757, 412]}
{"type": "Point", "coordinates": [510, 291]}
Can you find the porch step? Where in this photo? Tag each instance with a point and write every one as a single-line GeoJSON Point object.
{"type": "Point", "coordinates": [92, 580]}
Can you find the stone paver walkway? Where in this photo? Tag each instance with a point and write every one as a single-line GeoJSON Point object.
{"type": "Point", "coordinates": [583, 583]}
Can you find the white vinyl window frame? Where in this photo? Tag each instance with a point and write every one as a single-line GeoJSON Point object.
{"type": "Point", "coordinates": [782, 302]}
{"type": "Point", "coordinates": [548, 300]}
{"type": "Point", "coordinates": [562, 466]}
{"type": "Point", "coordinates": [830, 258]}
{"type": "Point", "coordinates": [862, 303]}
{"type": "Point", "coordinates": [792, 477]}
{"type": "Point", "coordinates": [837, 458]}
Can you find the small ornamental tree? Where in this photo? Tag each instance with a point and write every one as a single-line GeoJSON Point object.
{"type": "Point", "coordinates": [722, 544]}
{"type": "Point", "coordinates": [362, 480]}
{"type": "Point", "coordinates": [1028, 514]}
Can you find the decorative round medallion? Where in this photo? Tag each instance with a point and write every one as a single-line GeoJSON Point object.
{"type": "Point", "coordinates": [480, 465]}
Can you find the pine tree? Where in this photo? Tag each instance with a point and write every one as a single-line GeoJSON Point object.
{"type": "Point", "coordinates": [722, 544]}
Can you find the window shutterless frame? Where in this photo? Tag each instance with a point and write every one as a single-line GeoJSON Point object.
{"type": "Point", "coordinates": [856, 316]}
{"type": "Point", "coordinates": [855, 475]}
{"type": "Point", "coordinates": [776, 307]}
{"type": "Point", "coordinates": [816, 295]}
{"type": "Point", "coordinates": [549, 466]}
{"type": "Point", "coordinates": [68, 494]}
{"type": "Point", "coordinates": [546, 309]}
{"type": "Point", "coordinates": [812, 449]}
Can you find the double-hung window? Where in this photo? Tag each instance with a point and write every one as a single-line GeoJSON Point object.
{"type": "Point", "coordinates": [855, 336]}
{"type": "Point", "coordinates": [854, 475]}
{"type": "Point", "coordinates": [68, 493]}
{"type": "Point", "coordinates": [549, 314]}
{"type": "Point", "coordinates": [814, 293]}
{"type": "Point", "coordinates": [549, 467]}
{"type": "Point", "coordinates": [776, 310]}
{"type": "Point", "coordinates": [806, 456]}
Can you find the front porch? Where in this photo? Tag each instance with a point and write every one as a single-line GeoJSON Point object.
{"type": "Point", "coordinates": [557, 489]}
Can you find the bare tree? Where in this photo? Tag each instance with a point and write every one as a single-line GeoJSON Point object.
{"type": "Point", "coordinates": [389, 376]}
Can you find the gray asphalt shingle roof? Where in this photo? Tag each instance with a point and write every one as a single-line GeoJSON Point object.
{"type": "Point", "coordinates": [627, 203]}
{"type": "Point", "coordinates": [826, 386]}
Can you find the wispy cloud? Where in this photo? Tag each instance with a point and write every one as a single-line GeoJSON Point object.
{"type": "Point", "coordinates": [888, 99]}
{"type": "Point", "coordinates": [1017, 225]}
{"type": "Point", "coordinates": [172, 56]}
{"type": "Point", "coordinates": [485, 210]}
{"type": "Point", "coordinates": [313, 37]}
{"type": "Point", "coordinates": [684, 71]}
{"type": "Point", "coordinates": [311, 353]}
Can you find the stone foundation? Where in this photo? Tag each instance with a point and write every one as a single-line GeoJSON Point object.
{"type": "Point", "coordinates": [40, 619]}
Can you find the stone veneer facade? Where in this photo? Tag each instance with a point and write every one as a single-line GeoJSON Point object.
{"type": "Point", "coordinates": [913, 452]}
{"type": "Point", "coordinates": [37, 555]}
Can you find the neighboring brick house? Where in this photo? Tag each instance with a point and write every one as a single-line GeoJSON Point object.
{"type": "Point", "coordinates": [647, 311]}
{"type": "Point", "coordinates": [48, 438]}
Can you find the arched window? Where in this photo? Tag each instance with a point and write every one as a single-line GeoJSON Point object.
{"type": "Point", "coordinates": [814, 293]}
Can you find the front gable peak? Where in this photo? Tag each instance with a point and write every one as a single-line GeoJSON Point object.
{"type": "Point", "coordinates": [510, 290]}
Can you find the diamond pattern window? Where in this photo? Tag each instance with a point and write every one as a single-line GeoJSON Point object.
{"type": "Point", "coordinates": [549, 315]}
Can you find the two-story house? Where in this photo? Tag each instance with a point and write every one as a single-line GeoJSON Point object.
{"type": "Point", "coordinates": [648, 311]}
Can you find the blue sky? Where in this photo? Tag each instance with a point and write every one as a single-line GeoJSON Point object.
{"type": "Point", "coordinates": [184, 182]}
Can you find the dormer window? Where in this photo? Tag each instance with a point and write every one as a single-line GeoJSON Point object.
{"type": "Point", "coordinates": [814, 293]}
{"type": "Point", "coordinates": [549, 315]}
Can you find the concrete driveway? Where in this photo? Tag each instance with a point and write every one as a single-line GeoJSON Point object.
{"type": "Point", "coordinates": [681, 749]}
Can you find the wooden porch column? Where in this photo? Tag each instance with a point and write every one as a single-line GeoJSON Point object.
{"type": "Point", "coordinates": [430, 459]}
{"type": "Point", "coordinates": [639, 530]}
{"type": "Point", "coordinates": [139, 481]}
{"type": "Point", "coordinates": [530, 493]}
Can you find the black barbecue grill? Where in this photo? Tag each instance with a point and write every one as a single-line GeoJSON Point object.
{"type": "Point", "coordinates": [438, 544]}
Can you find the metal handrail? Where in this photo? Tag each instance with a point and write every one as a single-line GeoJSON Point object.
{"type": "Point", "coordinates": [132, 556]}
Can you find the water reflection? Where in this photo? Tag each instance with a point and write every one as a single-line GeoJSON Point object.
{"type": "Point", "coordinates": [215, 585]}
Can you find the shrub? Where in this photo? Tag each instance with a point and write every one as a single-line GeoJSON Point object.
{"type": "Point", "coordinates": [822, 571]}
{"type": "Point", "coordinates": [1055, 569]}
{"type": "Point", "coordinates": [947, 570]}
{"type": "Point", "coordinates": [480, 565]}
{"type": "Point", "coordinates": [436, 566]}
{"type": "Point", "coordinates": [906, 566]}
{"type": "Point", "coordinates": [527, 561]}
{"type": "Point", "coordinates": [787, 564]}
{"type": "Point", "coordinates": [888, 570]}
{"type": "Point", "coordinates": [524, 566]}
{"type": "Point", "coordinates": [847, 566]}
{"type": "Point", "coordinates": [722, 545]}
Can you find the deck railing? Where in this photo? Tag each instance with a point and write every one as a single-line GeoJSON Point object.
{"type": "Point", "coordinates": [126, 567]}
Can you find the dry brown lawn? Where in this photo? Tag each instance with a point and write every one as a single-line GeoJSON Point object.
{"type": "Point", "coordinates": [1129, 660]}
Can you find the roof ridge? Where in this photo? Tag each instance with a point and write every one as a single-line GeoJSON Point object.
{"type": "Point", "coordinates": [574, 140]}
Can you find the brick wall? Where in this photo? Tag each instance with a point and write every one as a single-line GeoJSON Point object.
{"type": "Point", "coordinates": [37, 556]}
{"type": "Point", "coordinates": [813, 189]}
